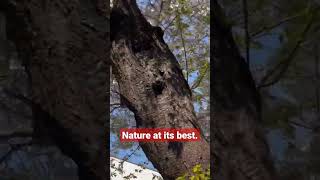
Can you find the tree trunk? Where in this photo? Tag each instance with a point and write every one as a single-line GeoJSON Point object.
{"type": "Point", "coordinates": [65, 45]}
{"type": "Point", "coordinates": [153, 87]}
{"type": "Point", "coordinates": [239, 147]}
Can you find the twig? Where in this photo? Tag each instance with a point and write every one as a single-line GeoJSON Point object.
{"type": "Point", "coordinates": [317, 78]}
{"type": "Point", "coordinates": [128, 157]}
{"type": "Point", "coordinates": [267, 28]}
{"type": "Point", "coordinates": [18, 134]}
{"type": "Point", "coordinates": [113, 109]}
{"type": "Point", "coordinates": [196, 84]}
{"type": "Point", "coordinates": [175, 17]}
{"type": "Point", "coordinates": [21, 97]}
{"type": "Point", "coordinates": [159, 14]}
{"type": "Point", "coordinates": [246, 28]}
{"type": "Point", "coordinates": [89, 26]}
{"type": "Point", "coordinates": [184, 49]}
{"type": "Point", "coordinates": [301, 125]}
{"type": "Point", "coordinates": [169, 24]}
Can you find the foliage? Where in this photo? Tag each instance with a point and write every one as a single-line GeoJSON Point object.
{"type": "Point", "coordinates": [186, 26]}
{"type": "Point", "coordinates": [197, 173]}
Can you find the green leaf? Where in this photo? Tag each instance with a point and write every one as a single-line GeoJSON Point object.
{"type": "Point", "coordinates": [197, 169]}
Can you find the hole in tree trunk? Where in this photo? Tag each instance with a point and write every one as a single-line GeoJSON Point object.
{"type": "Point", "coordinates": [158, 87]}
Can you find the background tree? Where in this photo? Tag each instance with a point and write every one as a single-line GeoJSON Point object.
{"type": "Point", "coordinates": [239, 147]}
{"type": "Point", "coordinates": [283, 61]}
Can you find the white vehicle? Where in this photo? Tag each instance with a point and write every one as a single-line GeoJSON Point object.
{"type": "Point", "coordinates": [120, 169]}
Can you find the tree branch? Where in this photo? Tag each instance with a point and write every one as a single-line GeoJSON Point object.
{"type": "Point", "coordinates": [126, 158]}
{"type": "Point", "coordinates": [198, 82]}
{"type": "Point", "coordinates": [317, 77]}
{"type": "Point", "coordinates": [117, 106]}
{"type": "Point", "coordinates": [246, 28]}
{"type": "Point", "coordinates": [301, 125]}
{"type": "Point", "coordinates": [170, 23]}
{"type": "Point", "coordinates": [4, 137]}
{"type": "Point", "coordinates": [282, 67]}
{"type": "Point", "coordinates": [268, 28]}
{"type": "Point", "coordinates": [20, 97]}
{"type": "Point", "coordinates": [184, 48]}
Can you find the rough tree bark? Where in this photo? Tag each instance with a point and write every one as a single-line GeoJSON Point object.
{"type": "Point", "coordinates": [65, 45]}
{"type": "Point", "coordinates": [239, 147]}
{"type": "Point", "coordinates": [153, 87]}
